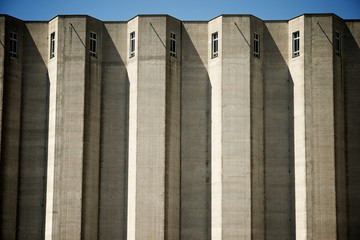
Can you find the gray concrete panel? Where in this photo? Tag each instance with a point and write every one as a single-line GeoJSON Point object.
{"type": "Point", "coordinates": [34, 127]}
{"type": "Point", "coordinates": [10, 133]}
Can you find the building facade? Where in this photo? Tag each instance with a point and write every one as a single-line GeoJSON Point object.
{"type": "Point", "coordinates": [156, 128]}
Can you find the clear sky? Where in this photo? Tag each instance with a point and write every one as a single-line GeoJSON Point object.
{"type": "Point", "coordinates": [123, 10]}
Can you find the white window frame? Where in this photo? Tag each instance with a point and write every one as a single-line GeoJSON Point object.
{"type": "Point", "coordinates": [256, 45]}
{"type": "Point", "coordinates": [14, 44]}
{"type": "Point", "coordinates": [214, 45]}
{"type": "Point", "coordinates": [52, 45]}
{"type": "Point", "coordinates": [132, 45]}
{"type": "Point", "coordinates": [338, 43]}
{"type": "Point", "coordinates": [173, 42]}
{"type": "Point", "coordinates": [93, 44]}
{"type": "Point", "coordinates": [296, 43]}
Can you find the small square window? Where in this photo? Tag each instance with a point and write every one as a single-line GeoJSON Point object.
{"type": "Point", "coordinates": [337, 43]}
{"type": "Point", "coordinates": [256, 45]}
{"type": "Point", "coordinates": [93, 44]}
{"type": "Point", "coordinates": [132, 44]}
{"type": "Point", "coordinates": [14, 44]}
{"type": "Point", "coordinates": [214, 45]}
{"type": "Point", "coordinates": [296, 44]}
{"type": "Point", "coordinates": [52, 45]}
{"type": "Point", "coordinates": [172, 44]}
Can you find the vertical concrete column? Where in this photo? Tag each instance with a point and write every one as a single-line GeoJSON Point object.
{"type": "Point", "coordinates": [11, 78]}
{"type": "Point", "coordinates": [237, 131]}
{"type": "Point", "coordinates": [153, 189]}
{"type": "Point", "coordinates": [319, 134]}
{"type": "Point", "coordinates": [74, 129]}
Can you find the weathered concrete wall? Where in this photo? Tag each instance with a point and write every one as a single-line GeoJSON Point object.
{"type": "Point", "coordinates": [34, 127]}
{"type": "Point", "coordinates": [93, 76]}
{"type": "Point", "coordinates": [66, 169]}
{"type": "Point", "coordinates": [319, 129]}
{"type": "Point", "coordinates": [278, 132]}
{"type": "Point", "coordinates": [154, 146]}
{"type": "Point", "coordinates": [114, 132]}
{"type": "Point", "coordinates": [51, 171]}
{"type": "Point", "coordinates": [2, 70]}
{"type": "Point", "coordinates": [237, 131]}
{"type": "Point", "coordinates": [339, 119]}
{"type": "Point", "coordinates": [172, 137]}
{"type": "Point", "coordinates": [296, 68]}
{"type": "Point", "coordinates": [215, 76]}
{"type": "Point", "coordinates": [257, 134]}
{"type": "Point", "coordinates": [10, 133]}
{"type": "Point", "coordinates": [351, 71]}
{"type": "Point", "coordinates": [195, 133]}
{"type": "Point", "coordinates": [153, 211]}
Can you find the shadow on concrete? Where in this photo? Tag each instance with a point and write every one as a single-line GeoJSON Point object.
{"type": "Point", "coordinates": [113, 143]}
{"type": "Point", "coordinates": [195, 141]}
{"type": "Point", "coordinates": [279, 142]}
{"type": "Point", "coordinates": [352, 130]}
{"type": "Point", "coordinates": [33, 141]}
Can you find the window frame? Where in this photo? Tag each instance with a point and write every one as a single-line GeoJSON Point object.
{"type": "Point", "coordinates": [52, 45]}
{"type": "Point", "coordinates": [257, 45]}
{"type": "Point", "coordinates": [173, 45]}
{"type": "Point", "coordinates": [338, 43]}
{"type": "Point", "coordinates": [296, 44]}
{"type": "Point", "coordinates": [132, 46]}
{"type": "Point", "coordinates": [214, 45]}
{"type": "Point", "coordinates": [93, 44]}
{"type": "Point", "coordinates": [14, 44]}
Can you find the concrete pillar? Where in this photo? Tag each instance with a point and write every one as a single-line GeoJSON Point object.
{"type": "Point", "coordinates": [237, 130]}
{"type": "Point", "coordinates": [319, 111]}
{"type": "Point", "coordinates": [10, 88]}
{"type": "Point", "coordinates": [154, 143]}
{"type": "Point", "coordinates": [74, 132]}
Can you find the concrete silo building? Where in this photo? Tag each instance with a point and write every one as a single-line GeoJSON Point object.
{"type": "Point", "coordinates": [156, 128]}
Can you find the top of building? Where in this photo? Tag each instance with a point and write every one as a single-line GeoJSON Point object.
{"type": "Point", "coordinates": [166, 15]}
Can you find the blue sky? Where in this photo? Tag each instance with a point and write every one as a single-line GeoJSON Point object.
{"type": "Point", "coordinates": [119, 10]}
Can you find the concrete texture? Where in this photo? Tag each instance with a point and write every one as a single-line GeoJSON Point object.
{"type": "Point", "coordinates": [153, 146]}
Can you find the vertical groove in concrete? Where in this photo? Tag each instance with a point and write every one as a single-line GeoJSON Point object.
{"type": "Point", "coordinates": [195, 133]}
{"type": "Point", "coordinates": [278, 132]}
{"type": "Point", "coordinates": [92, 116]}
{"type": "Point", "coordinates": [33, 148]}
{"type": "Point", "coordinates": [257, 135]}
{"type": "Point", "coordinates": [339, 125]}
{"type": "Point", "coordinates": [351, 56]}
{"type": "Point", "coordinates": [10, 132]}
{"type": "Point", "coordinates": [114, 133]}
